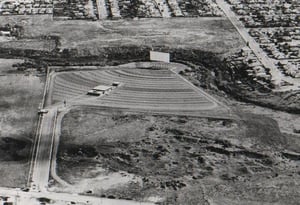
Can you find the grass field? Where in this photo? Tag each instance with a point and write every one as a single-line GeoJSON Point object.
{"type": "Point", "coordinates": [210, 34]}
{"type": "Point", "coordinates": [31, 44]}
{"type": "Point", "coordinates": [6, 65]}
{"type": "Point", "coordinates": [20, 98]}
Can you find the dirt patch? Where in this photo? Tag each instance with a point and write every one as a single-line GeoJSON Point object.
{"type": "Point", "coordinates": [293, 142]}
{"type": "Point", "coordinates": [167, 157]}
{"type": "Point", "coordinates": [209, 33]}
{"type": "Point", "coordinates": [96, 42]}
{"type": "Point", "coordinates": [263, 130]}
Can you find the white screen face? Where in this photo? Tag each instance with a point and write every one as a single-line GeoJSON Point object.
{"type": "Point", "coordinates": [159, 56]}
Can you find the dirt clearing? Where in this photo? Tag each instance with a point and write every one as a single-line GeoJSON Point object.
{"type": "Point", "coordinates": [167, 159]}
{"type": "Point", "coordinates": [210, 34]}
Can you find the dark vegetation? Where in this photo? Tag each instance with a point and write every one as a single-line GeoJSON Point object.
{"type": "Point", "coordinates": [208, 69]}
{"type": "Point", "coordinates": [15, 30]}
{"type": "Point", "coordinates": [44, 200]}
{"type": "Point", "coordinates": [14, 149]}
{"type": "Point", "coordinates": [214, 74]}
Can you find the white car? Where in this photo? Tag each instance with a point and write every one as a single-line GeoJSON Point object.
{"type": "Point", "coordinates": [94, 92]}
{"type": "Point", "coordinates": [42, 111]}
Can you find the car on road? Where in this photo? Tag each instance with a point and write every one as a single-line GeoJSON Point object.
{"type": "Point", "coordinates": [115, 84]}
{"type": "Point", "coordinates": [89, 192]}
{"type": "Point", "coordinates": [26, 189]}
{"type": "Point", "coordinates": [94, 92]}
{"type": "Point", "coordinates": [42, 111]}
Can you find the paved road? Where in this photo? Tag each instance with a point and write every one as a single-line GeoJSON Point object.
{"type": "Point", "coordinates": [277, 76]}
{"type": "Point", "coordinates": [22, 198]}
{"type": "Point", "coordinates": [101, 7]}
{"type": "Point", "coordinates": [40, 175]}
{"type": "Point", "coordinates": [56, 136]}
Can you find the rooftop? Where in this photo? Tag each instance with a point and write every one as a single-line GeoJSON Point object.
{"type": "Point", "coordinates": [102, 87]}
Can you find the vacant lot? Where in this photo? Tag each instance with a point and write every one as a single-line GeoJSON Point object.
{"type": "Point", "coordinates": [210, 34]}
{"type": "Point", "coordinates": [176, 160]}
{"type": "Point", "coordinates": [20, 98]}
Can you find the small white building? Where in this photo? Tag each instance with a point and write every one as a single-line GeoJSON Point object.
{"type": "Point", "coordinates": [99, 90]}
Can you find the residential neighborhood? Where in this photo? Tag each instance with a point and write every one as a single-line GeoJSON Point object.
{"type": "Point", "coordinates": [149, 102]}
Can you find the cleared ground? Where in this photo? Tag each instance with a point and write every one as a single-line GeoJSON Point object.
{"type": "Point", "coordinates": [20, 98]}
{"type": "Point", "coordinates": [176, 160]}
{"type": "Point", "coordinates": [150, 90]}
{"type": "Point", "coordinates": [210, 34]}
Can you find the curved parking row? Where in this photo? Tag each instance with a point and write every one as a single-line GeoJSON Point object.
{"type": "Point", "coordinates": [140, 88]}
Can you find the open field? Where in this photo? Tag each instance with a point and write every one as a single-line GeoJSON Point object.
{"type": "Point", "coordinates": [30, 44]}
{"type": "Point", "coordinates": [170, 159]}
{"type": "Point", "coordinates": [20, 98]}
{"type": "Point", "coordinates": [211, 34]}
{"type": "Point", "coordinates": [6, 65]}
